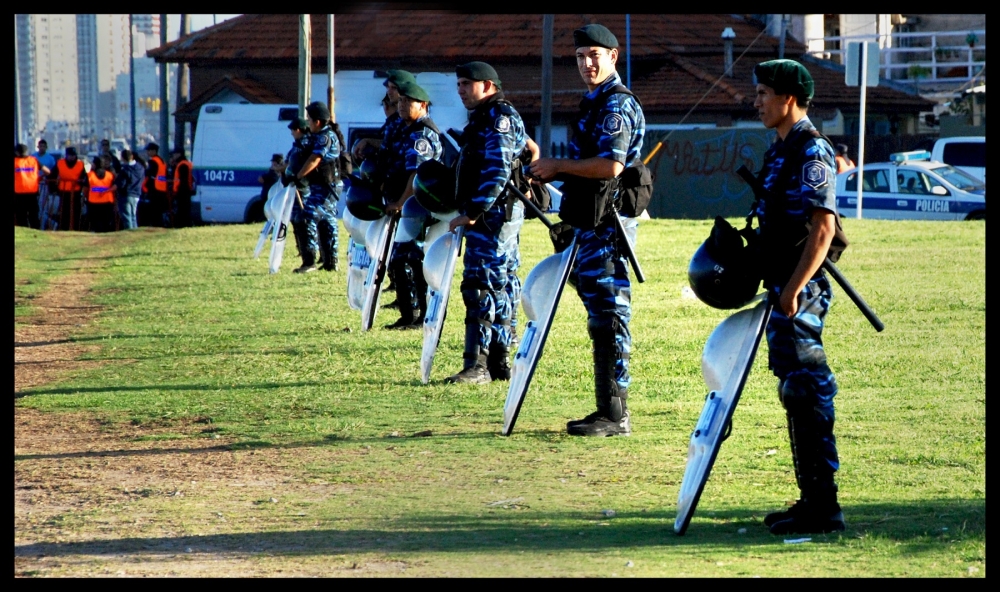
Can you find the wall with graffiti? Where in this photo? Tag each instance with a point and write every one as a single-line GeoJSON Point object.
{"type": "Point", "coordinates": [694, 171]}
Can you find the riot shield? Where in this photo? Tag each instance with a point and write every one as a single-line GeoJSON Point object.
{"type": "Point", "coordinates": [725, 364]}
{"type": "Point", "coordinates": [439, 270]}
{"type": "Point", "coordinates": [540, 295]}
{"type": "Point", "coordinates": [379, 243]}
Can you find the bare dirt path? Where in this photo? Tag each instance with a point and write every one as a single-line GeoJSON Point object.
{"type": "Point", "coordinates": [89, 494]}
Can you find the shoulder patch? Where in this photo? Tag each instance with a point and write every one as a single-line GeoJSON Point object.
{"type": "Point", "coordinates": [613, 124]}
{"type": "Point", "coordinates": [502, 124]}
{"type": "Point", "coordinates": [423, 147]}
{"type": "Point", "coordinates": [814, 174]}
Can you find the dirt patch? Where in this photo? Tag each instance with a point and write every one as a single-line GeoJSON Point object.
{"type": "Point", "coordinates": [99, 498]}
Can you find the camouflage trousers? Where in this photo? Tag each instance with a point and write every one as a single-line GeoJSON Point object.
{"type": "Point", "coordinates": [600, 274]}
{"type": "Point", "coordinates": [806, 385]}
{"type": "Point", "coordinates": [490, 287]}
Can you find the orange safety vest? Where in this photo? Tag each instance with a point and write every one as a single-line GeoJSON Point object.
{"type": "Point", "coordinates": [177, 175]}
{"type": "Point", "coordinates": [69, 176]}
{"type": "Point", "coordinates": [26, 174]}
{"type": "Point", "coordinates": [160, 182]}
{"type": "Point", "coordinates": [100, 189]}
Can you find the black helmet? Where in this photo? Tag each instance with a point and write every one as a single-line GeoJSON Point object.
{"type": "Point", "coordinates": [722, 273]}
{"type": "Point", "coordinates": [368, 171]}
{"type": "Point", "coordinates": [434, 187]}
{"type": "Point", "coordinates": [363, 201]}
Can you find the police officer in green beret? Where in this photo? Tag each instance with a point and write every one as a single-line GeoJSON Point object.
{"type": "Point", "coordinates": [418, 140]}
{"type": "Point", "coordinates": [798, 217]}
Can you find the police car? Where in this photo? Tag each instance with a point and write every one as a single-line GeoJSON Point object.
{"type": "Point", "coordinates": [912, 187]}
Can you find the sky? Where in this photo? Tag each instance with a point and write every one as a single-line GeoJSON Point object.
{"type": "Point", "coordinates": [198, 22]}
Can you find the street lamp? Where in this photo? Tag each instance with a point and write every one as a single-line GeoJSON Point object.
{"type": "Point", "coordinates": [728, 35]}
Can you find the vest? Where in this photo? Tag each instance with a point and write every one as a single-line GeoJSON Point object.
{"type": "Point", "coordinates": [69, 176]}
{"type": "Point", "coordinates": [26, 174]}
{"type": "Point", "coordinates": [160, 182]}
{"type": "Point", "coordinates": [183, 165]}
{"type": "Point", "coordinates": [100, 189]}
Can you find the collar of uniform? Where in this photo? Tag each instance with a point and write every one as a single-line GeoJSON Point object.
{"type": "Point", "coordinates": [487, 104]}
{"type": "Point", "coordinates": [608, 82]}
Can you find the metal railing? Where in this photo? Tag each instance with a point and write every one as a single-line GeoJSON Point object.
{"type": "Point", "coordinates": [920, 58]}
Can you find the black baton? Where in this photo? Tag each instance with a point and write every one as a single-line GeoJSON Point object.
{"type": "Point", "coordinates": [629, 252]}
{"type": "Point", "coordinates": [855, 297]}
{"type": "Point", "coordinates": [529, 204]}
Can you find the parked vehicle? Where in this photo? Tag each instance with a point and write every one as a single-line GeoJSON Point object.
{"type": "Point", "coordinates": [234, 142]}
{"type": "Point", "coordinates": [967, 153]}
{"type": "Point", "coordinates": [914, 187]}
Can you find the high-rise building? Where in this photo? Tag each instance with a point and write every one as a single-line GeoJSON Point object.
{"type": "Point", "coordinates": [48, 74]}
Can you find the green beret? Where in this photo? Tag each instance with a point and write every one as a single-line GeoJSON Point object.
{"type": "Point", "coordinates": [399, 77]}
{"type": "Point", "coordinates": [414, 91]}
{"type": "Point", "coordinates": [478, 71]}
{"type": "Point", "coordinates": [299, 123]}
{"type": "Point", "coordinates": [594, 35]}
{"type": "Point", "coordinates": [319, 111]}
{"type": "Point", "coordinates": [786, 77]}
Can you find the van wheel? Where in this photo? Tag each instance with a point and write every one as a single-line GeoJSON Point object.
{"type": "Point", "coordinates": [255, 212]}
{"type": "Point", "coordinates": [977, 215]}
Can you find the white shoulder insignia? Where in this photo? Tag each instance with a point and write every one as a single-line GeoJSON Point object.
{"type": "Point", "coordinates": [613, 124]}
{"type": "Point", "coordinates": [814, 174]}
{"type": "Point", "coordinates": [423, 147]}
{"type": "Point", "coordinates": [502, 124]}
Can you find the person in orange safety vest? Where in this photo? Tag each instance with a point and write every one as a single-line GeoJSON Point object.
{"type": "Point", "coordinates": [101, 212]}
{"type": "Point", "coordinates": [27, 173]}
{"type": "Point", "coordinates": [182, 189]}
{"type": "Point", "coordinates": [69, 180]}
{"type": "Point", "coordinates": [158, 208]}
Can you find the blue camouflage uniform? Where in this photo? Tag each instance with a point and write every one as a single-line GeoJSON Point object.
{"type": "Point", "coordinates": [492, 141]}
{"type": "Point", "coordinates": [612, 130]}
{"type": "Point", "coordinates": [410, 146]}
{"type": "Point", "coordinates": [795, 347]}
{"type": "Point", "coordinates": [294, 160]}
{"type": "Point", "coordinates": [325, 184]}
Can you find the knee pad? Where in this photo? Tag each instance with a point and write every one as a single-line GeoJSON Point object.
{"type": "Point", "coordinates": [797, 393]}
{"type": "Point", "coordinates": [602, 328]}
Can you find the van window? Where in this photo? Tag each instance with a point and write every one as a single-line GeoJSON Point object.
{"type": "Point", "coordinates": [965, 154]}
{"type": "Point", "coordinates": [288, 113]}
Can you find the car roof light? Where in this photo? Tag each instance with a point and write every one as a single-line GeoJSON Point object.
{"type": "Point", "coordinates": [912, 155]}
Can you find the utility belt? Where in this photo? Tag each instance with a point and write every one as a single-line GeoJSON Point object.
{"type": "Point", "coordinates": [780, 247]}
{"type": "Point", "coordinates": [586, 202]}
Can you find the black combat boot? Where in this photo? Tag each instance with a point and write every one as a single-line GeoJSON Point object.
{"type": "Point", "coordinates": [308, 255]}
{"type": "Point", "coordinates": [474, 359]}
{"type": "Point", "coordinates": [612, 416]}
{"type": "Point", "coordinates": [816, 513]}
{"type": "Point", "coordinates": [409, 315]}
{"type": "Point", "coordinates": [328, 254]}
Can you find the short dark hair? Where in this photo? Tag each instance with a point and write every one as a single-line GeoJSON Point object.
{"type": "Point", "coordinates": [126, 154]}
{"type": "Point", "coordinates": [21, 150]}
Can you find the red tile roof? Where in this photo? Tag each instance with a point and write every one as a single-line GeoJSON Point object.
{"type": "Point", "coordinates": [676, 59]}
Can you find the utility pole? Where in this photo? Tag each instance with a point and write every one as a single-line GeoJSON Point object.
{"type": "Point", "coordinates": [330, 70]}
{"type": "Point", "coordinates": [545, 141]}
{"type": "Point", "coordinates": [164, 91]}
{"type": "Point", "coordinates": [131, 81]}
{"type": "Point", "coordinates": [781, 38]}
{"type": "Point", "coordinates": [183, 92]}
{"type": "Point", "coordinates": [305, 61]}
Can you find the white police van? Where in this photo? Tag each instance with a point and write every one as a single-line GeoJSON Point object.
{"type": "Point", "coordinates": [912, 187]}
{"type": "Point", "coordinates": [967, 153]}
{"type": "Point", "coordinates": [234, 142]}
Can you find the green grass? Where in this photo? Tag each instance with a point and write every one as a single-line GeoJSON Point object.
{"type": "Point", "coordinates": [196, 332]}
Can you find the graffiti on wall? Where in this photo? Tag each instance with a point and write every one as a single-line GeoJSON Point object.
{"type": "Point", "coordinates": [694, 171]}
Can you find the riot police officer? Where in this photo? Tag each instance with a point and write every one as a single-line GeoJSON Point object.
{"type": "Point", "coordinates": [799, 179]}
{"type": "Point", "coordinates": [294, 160]}
{"type": "Point", "coordinates": [492, 142]}
{"type": "Point", "coordinates": [418, 140]}
{"type": "Point", "coordinates": [322, 171]}
{"type": "Point", "coordinates": [607, 138]}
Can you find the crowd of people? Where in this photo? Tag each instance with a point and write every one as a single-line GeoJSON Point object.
{"type": "Point", "coordinates": [108, 193]}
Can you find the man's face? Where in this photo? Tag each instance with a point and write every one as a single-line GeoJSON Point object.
{"type": "Point", "coordinates": [595, 64]}
{"type": "Point", "coordinates": [105, 147]}
{"type": "Point", "coordinates": [772, 108]}
{"type": "Point", "coordinates": [472, 92]}
{"type": "Point", "coordinates": [393, 91]}
{"type": "Point", "coordinates": [411, 109]}
{"type": "Point", "coordinates": [297, 134]}
{"type": "Point", "coordinates": [42, 147]}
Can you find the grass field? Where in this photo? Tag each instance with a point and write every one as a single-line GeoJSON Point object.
{"type": "Point", "coordinates": [262, 433]}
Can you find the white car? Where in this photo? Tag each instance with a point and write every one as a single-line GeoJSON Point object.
{"type": "Point", "coordinates": [967, 153]}
{"type": "Point", "coordinates": [912, 187]}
